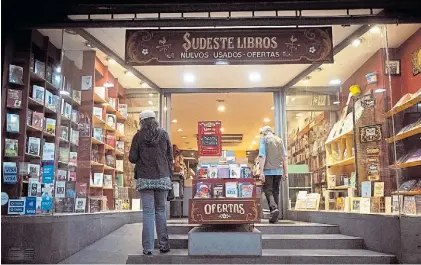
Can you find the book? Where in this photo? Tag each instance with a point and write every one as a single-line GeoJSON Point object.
{"type": "Point", "coordinates": [11, 147]}
{"type": "Point", "coordinates": [81, 190]}
{"type": "Point", "coordinates": [69, 205]}
{"type": "Point", "coordinates": [409, 205]}
{"type": "Point", "coordinates": [94, 205]}
{"type": "Point", "coordinates": [39, 68]}
{"type": "Point", "coordinates": [74, 136]}
{"type": "Point", "coordinates": [122, 108]}
{"type": "Point", "coordinates": [34, 146]}
{"type": "Point", "coordinates": [64, 154]}
{"type": "Point", "coordinates": [407, 185]}
{"type": "Point", "coordinates": [64, 133]}
{"type": "Point", "coordinates": [378, 189]}
{"type": "Point", "coordinates": [110, 160]}
{"type": "Point", "coordinates": [61, 175]}
{"type": "Point", "coordinates": [111, 120]}
{"type": "Point", "coordinates": [235, 171]}
{"type": "Point", "coordinates": [418, 203]}
{"type": "Point", "coordinates": [202, 190]}
{"type": "Point", "coordinates": [29, 117]}
{"type": "Point", "coordinates": [56, 80]}
{"type": "Point", "coordinates": [223, 172]}
{"type": "Point", "coordinates": [417, 186]}
{"type": "Point", "coordinates": [120, 127]}
{"type": "Point", "coordinates": [98, 179]}
{"type": "Point", "coordinates": [203, 172]}
{"type": "Point", "coordinates": [49, 73]}
{"type": "Point", "coordinates": [100, 91]}
{"type": "Point", "coordinates": [50, 101]}
{"type": "Point", "coordinates": [218, 190]}
{"type": "Point", "coordinates": [15, 74]}
{"type": "Point", "coordinates": [119, 165]}
{"type": "Point", "coordinates": [388, 205]}
{"type": "Point", "coordinates": [355, 204]}
{"type": "Point", "coordinates": [34, 187]}
{"type": "Point", "coordinates": [60, 189]}
{"type": "Point", "coordinates": [10, 173]}
{"type": "Point", "coordinates": [119, 179]}
{"type": "Point", "coordinates": [50, 126]}
{"type": "Point", "coordinates": [59, 205]}
{"type": "Point", "coordinates": [75, 116]}
{"type": "Point", "coordinates": [98, 112]}
{"type": "Point", "coordinates": [34, 170]}
{"type": "Point", "coordinates": [12, 122]}
{"type": "Point", "coordinates": [77, 96]}
{"type": "Point", "coordinates": [365, 205]}
{"type": "Point", "coordinates": [119, 146]}
{"type": "Point", "coordinates": [71, 175]}
{"type": "Point", "coordinates": [38, 93]}
{"type": "Point", "coordinates": [213, 172]}
{"type": "Point", "coordinates": [110, 140]}
{"type": "Point", "coordinates": [71, 189]}
{"type": "Point", "coordinates": [112, 102]}
{"type": "Point", "coordinates": [108, 181]}
{"type": "Point", "coordinates": [14, 98]}
{"type": "Point", "coordinates": [48, 152]}
{"type": "Point", "coordinates": [245, 190]}
{"type": "Point", "coordinates": [98, 134]}
{"type": "Point", "coordinates": [246, 172]}
{"type": "Point", "coordinates": [366, 189]}
{"type": "Point", "coordinates": [38, 120]}
{"type": "Point", "coordinates": [73, 158]}
{"type": "Point", "coordinates": [67, 110]}
{"type": "Point", "coordinates": [231, 190]}
{"type": "Point", "coordinates": [80, 205]}
{"type": "Point", "coordinates": [397, 203]}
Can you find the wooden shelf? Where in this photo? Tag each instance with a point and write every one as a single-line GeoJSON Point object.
{"type": "Point", "coordinates": [97, 121]}
{"type": "Point", "coordinates": [108, 188]}
{"type": "Point", "coordinates": [344, 136]}
{"type": "Point", "coordinates": [63, 140]}
{"type": "Point", "coordinates": [403, 107]}
{"type": "Point", "coordinates": [50, 111]}
{"type": "Point", "coordinates": [33, 103]}
{"type": "Point", "coordinates": [63, 163]}
{"type": "Point", "coordinates": [32, 128]}
{"type": "Point", "coordinates": [94, 163]}
{"type": "Point", "coordinates": [119, 134]}
{"type": "Point", "coordinates": [120, 116]}
{"type": "Point", "coordinates": [50, 135]}
{"type": "Point", "coordinates": [106, 167]}
{"type": "Point", "coordinates": [96, 141]}
{"type": "Point", "coordinates": [95, 186]}
{"type": "Point", "coordinates": [414, 131]}
{"type": "Point", "coordinates": [109, 108]}
{"type": "Point", "coordinates": [345, 162]}
{"type": "Point", "coordinates": [35, 77]}
{"type": "Point", "coordinates": [408, 193]}
{"type": "Point", "coordinates": [32, 155]}
{"type": "Point", "coordinates": [407, 164]}
{"type": "Point", "coordinates": [119, 171]}
{"type": "Point", "coordinates": [108, 147]}
{"type": "Point", "coordinates": [340, 188]}
{"type": "Point", "coordinates": [98, 99]}
{"type": "Point", "coordinates": [109, 128]}
{"type": "Point", "coordinates": [119, 153]}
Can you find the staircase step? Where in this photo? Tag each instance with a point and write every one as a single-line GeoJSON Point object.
{"type": "Point", "coordinates": [272, 256]}
{"type": "Point", "coordinates": [291, 241]}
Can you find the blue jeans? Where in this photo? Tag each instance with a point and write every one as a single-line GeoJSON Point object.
{"type": "Point", "coordinates": [154, 204]}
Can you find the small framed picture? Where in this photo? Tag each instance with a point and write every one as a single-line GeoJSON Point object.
{"type": "Point", "coordinates": [392, 66]}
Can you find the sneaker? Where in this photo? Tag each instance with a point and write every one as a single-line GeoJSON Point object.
{"type": "Point", "coordinates": [274, 214]}
{"type": "Point", "coordinates": [164, 250]}
{"type": "Point", "coordinates": [147, 253]}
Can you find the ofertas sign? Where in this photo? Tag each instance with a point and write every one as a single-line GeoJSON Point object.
{"type": "Point", "coordinates": [229, 46]}
{"type": "Point", "coordinates": [209, 138]}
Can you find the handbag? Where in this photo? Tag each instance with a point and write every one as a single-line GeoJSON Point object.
{"type": "Point", "coordinates": [171, 195]}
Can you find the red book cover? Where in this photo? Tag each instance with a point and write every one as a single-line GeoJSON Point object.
{"type": "Point", "coordinates": [14, 98]}
{"type": "Point", "coordinates": [110, 140]}
{"type": "Point", "coordinates": [38, 120]}
{"type": "Point", "coordinates": [81, 190]}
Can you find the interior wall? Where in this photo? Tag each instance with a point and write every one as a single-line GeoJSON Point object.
{"type": "Point", "coordinates": [409, 82]}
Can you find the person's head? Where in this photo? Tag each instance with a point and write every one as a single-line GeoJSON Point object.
{"type": "Point", "coordinates": [148, 123]}
{"type": "Point", "coordinates": [267, 130]}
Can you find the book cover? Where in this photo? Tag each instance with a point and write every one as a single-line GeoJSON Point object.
{"type": "Point", "coordinates": [235, 171]}
{"type": "Point", "coordinates": [61, 174]}
{"type": "Point", "coordinates": [50, 126]}
{"type": "Point", "coordinates": [122, 108]}
{"type": "Point", "coordinates": [38, 93]}
{"type": "Point", "coordinates": [10, 173]}
{"type": "Point", "coordinates": [213, 172]}
{"type": "Point", "coordinates": [34, 145]}
{"type": "Point", "coordinates": [81, 190]}
{"type": "Point", "coordinates": [75, 116]}
{"type": "Point", "coordinates": [108, 181]}
{"type": "Point", "coordinates": [415, 156]}
{"type": "Point", "coordinates": [29, 117]}
{"type": "Point", "coordinates": [365, 205]}
{"type": "Point", "coordinates": [77, 96]}
{"type": "Point", "coordinates": [80, 205]}
{"type": "Point", "coordinates": [49, 73]}
{"type": "Point", "coordinates": [110, 140]}
{"type": "Point", "coordinates": [388, 205]}
{"type": "Point", "coordinates": [59, 205]}
{"type": "Point", "coordinates": [218, 190]}
{"type": "Point", "coordinates": [98, 179]}
{"type": "Point", "coordinates": [98, 134]}
{"type": "Point", "coordinates": [119, 165]}
{"type": "Point", "coordinates": [34, 170]}
{"type": "Point", "coordinates": [418, 203]}
{"type": "Point", "coordinates": [74, 136]}
{"type": "Point", "coordinates": [223, 172]}
{"type": "Point", "coordinates": [407, 185]}
{"type": "Point", "coordinates": [38, 120]}
{"type": "Point", "coordinates": [231, 190]}
{"type": "Point", "coordinates": [48, 152]}
{"type": "Point", "coordinates": [69, 205]}
{"type": "Point", "coordinates": [94, 205]}
{"type": "Point", "coordinates": [12, 121]}
{"type": "Point", "coordinates": [120, 146]}
{"type": "Point", "coordinates": [110, 160]}
{"type": "Point", "coordinates": [378, 189]}
{"type": "Point", "coordinates": [98, 112]}
{"type": "Point", "coordinates": [202, 190]}
{"type": "Point", "coordinates": [64, 155]}
{"type": "Point", "coordinates": [203, 172]}
{"type": "Point", "coordinates": [366, 189]}
{"type": "Point", "coordinates": [120, 127]}
{"type": "Point", "coordinates": [71, 175]}
{"type": "Point", "coordinates": [60, 189]}
{"type": "Point", "coordinates": [49, 100]}
{"type": "Point", "coordinates": [39, 68]}
{"type": "Point", "coordinates": [34, 187]}
{"type": "Point", "coordinates": [246, 172]}
{"type": "Point", "coordinates": [245, 190]}
{"type": "Point", "coordinates": [14, 98]}
{"type": "Point", "coordinates": [67, 110]}
{"type": "Point", "coordinates": [71, 189]}
{"type": "Point", "coordinates": [48, 172]}
{"type": "Point", "coordinates": [64, 133]}
{"type": "Point", "coordinates": [397, 203]}
{"type": "Point", "coordinates": [355, 204]}
{"type": "Point", "coordinates": [111, 120]}
{"type": "Point", "coordinates": [15, 74]}
{"type": "Point", "coordinates": [119, 179]}
{"type": "Point", "coordinates": [73, 158]}
{"type": "Point", "coordinates": [112, 102]}
{"type": "Point", "coordinates": [417, 186]}
{"type": "Point", "coordinates": [11, 147]}
{"type": "Point", "coordinates": [409, 206]}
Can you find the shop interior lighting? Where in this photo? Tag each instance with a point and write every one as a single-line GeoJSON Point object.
{"type": "Point", "coordinates": [174, 121]}
{"type": "Point", "coordinates": [183, 137]}
{"type": "Point", "coordinates": [380, 90]}
{"type": "Point", "coordinates": [110, 60]}
{"type": "Point", "coordinates": [165, 108]}
{"type": "Point", "coordinates": [128, 73]}
{"type": "Point", "coordinates": [89, 45]}
{"type": "Point", "coordinates": [221, 108]}
{"type": "Point", "coordinates": [108, 84]}
{"type": "Point", "coordinates": [375, 30]}
{"type": "Point", "coordinates": [266, 120]}
{"type": "Point", "coordinates": [150, 94]}
{"type": "Point", "coordinates": [58, 69]}
{"type": "Point", "coordinates": [357, 42]}
{"type": "Point", "coordinates": [189, 78]}
{"type": "Point", "coordinates": [298, 115]}
{"type": "Point", "coordinates": [180, 130]}
{"type": "Point", "coordinates": [336, 102]}
{"type": "Point", "coordinates": [150, 102]}
{"type": "Point", "coordinates": [255, 77]}
{"type": "Point", "coordinates": [272, 108]}
{"type": "Point", "coordinates": [292, 99]}
{"type": "Point", "coordinates": [257, 136]}
{"type": "Point", "coordinates": [253, 143]}
{"type": "Point", "coordinates": [222, 129]}
{"type": "Point", "coordinates": [335, 82]}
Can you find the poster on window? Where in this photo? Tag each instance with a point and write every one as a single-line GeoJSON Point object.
{"type": "Point", "coordinates": [209, 138]}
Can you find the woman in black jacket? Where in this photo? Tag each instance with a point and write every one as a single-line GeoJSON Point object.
{"type": "Point", "coordinates": [151, 151]}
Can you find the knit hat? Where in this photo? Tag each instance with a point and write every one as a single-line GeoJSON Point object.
{"type": "Point", "coordinates": [147, 114]}
{"type": "Point", "coordinates": [266, 130]}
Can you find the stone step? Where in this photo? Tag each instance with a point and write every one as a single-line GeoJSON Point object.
{"type": "Point", "coordinates": [266, 228]}
{"type": "Point", "coordinates": [291, 241]}
{"type": "Point", "coordinates": [272, 256]}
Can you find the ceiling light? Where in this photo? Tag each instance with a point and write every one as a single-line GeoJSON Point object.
{"type": "Point", "coordinates": [189, 78]}
{"type": "Point", "coordinates": [174, 121]}
{"type": "Point", "coordinates": [299, 115]}
{"type": "Point", "coordinates": [336, 102]}
{"type": "Point", "coordinates": [250, 147]}
{"type": "Point", "coordinates": [110, 60]}
{"type": "Point", "coordinates": [356, 42]}
{"type": "Point", "coordinates": [335, 82]}
{"type": "Point", "coordinates": [183, 137]}
{"type": "Point", "coordinates": [255, 77]}
{"type": "Point", "coordinates": [257, 136]}
{"type": "Point", "coordinates": [88, 44]}
{"type": "Point", "coordinates": [253, 143]}
{"type": "Point", "coordinates": [306, 82]}
{"type": "Point", "coordinates": [150, 102]}
{"type": "Point", "coordinates": [266, 120]}
{"type": "Point", "coordinates": [292, 99]}
{"type": "Point", "coordinates": [151, 95]}
{"type": "Point", "coordinates": [222, 129]}
{"type": "Point", "coordinates": [221, 62]}
{"type": "Point", "coordinates": [180, 130]}
{"type": "Point", "coordinates": [221, 108]}
{"type": "Point", "coordinates": [272, 108]}
{"type": "Point", "coordinates": [379, 90]}
{"type": "Point", "coordinates": [375, 29]}
{"type": "Point", "coordinates": [305, 79]}
{"type": "Point", "coordinates": [108, 84]}
{"type": "Point", "coordinates": [58, 69]}
{"type": "Point", "coordinates": [128, 73]}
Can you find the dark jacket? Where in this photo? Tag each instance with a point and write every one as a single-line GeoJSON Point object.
{"type": "Point", "coordinates": [153, 159]}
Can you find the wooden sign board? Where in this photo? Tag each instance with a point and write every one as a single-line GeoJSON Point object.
{"type": "Point", "coordinates": [224, 211]}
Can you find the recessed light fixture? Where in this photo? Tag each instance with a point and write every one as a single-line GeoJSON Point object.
{"type": "Point", "coordinates": [255, 77]}
{"type": "Point", "coordinates": [318, 69]}
{"type": "Point", "coordinates": [380, 90]}
{"type": "Point", "coordinates": [128, 73]}
{"type": "Point", "coordinates": [222, 129]}
{"type": "Point", "coordinates": [150, 102]}
{"type": "Point", "coordinates": [335, 82]}
{"type": "Point", "coordinates": [180, 130]}
{"type": "Point", "coordinates": [292, 99]}
{"type": "Point", "coordinates": [272, 108]}
{"type": "Point", "coordinates": [110, 60]}
{"type": "Point", "coordinates": [375, 29]}
{"type": "Point", "coordinates": [306, 80]}
{"type": "Point", "coordinates": [337, 102]}
{"type": "Point", "coordinates": [174, 121]}
{"type": "Point", "coordinates": [189, 78]}
{"type": "Point", "coordinates": [299, 115]}
{"type": "Point", "coordinates": [183, 137]}
{"type": "Point", "coordinates": [221, 62]}
{"type": "Point", "coordinates": [108, 84]}
{"type": "Point", "coordinates": [150, 94]}
{"type": "Point", "coordinates": [253, 143]}
{"type": "Point", "coordinates": [58, 69]}
{"type": "Point", "coordinates": [266, 120]}
{"type": "Point", "coordinates": [221, 108]}
{"type": "Point", "coordinates": [88, 44]}
{"type": "Point", "coordinates": [356, 42]}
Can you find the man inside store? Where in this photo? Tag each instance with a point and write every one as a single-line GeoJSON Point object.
{"type": "Point", "coordinates": [273, 169]}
